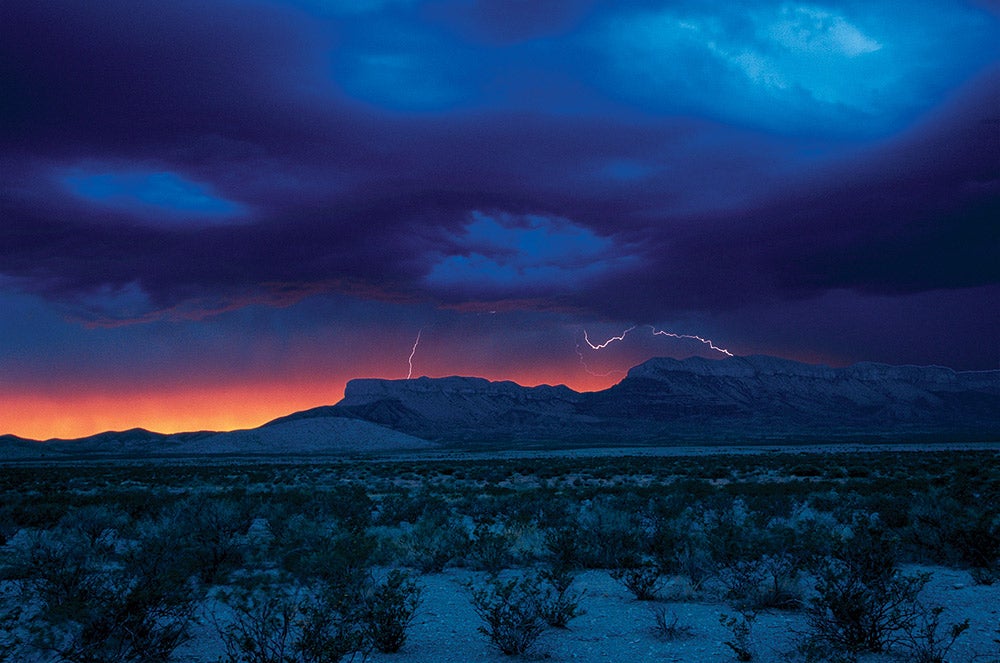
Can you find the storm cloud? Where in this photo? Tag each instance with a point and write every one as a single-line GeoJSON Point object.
{"type": "Point", "coordinates": [582, 162]}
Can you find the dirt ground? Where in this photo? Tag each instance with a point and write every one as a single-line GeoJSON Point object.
{"type": "Point", "coordinates": [616, 627]}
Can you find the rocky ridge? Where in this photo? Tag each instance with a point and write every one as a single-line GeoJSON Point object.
{"type": "Point", "coordinates": [745, 400]}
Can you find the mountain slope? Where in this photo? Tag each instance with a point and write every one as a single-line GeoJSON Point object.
{"type": "Point", "coordinates": [762, 397]}
{"type": "Point", "coordinates": [664, 400]}
{"type": "Point", "coordinates": [314, 436]}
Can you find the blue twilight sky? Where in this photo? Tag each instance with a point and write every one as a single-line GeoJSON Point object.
{"type": "Point", "coordinates": [216, 212]}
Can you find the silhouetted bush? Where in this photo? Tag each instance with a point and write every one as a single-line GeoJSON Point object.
{"type": "Point", "coordinates": [608, 537]}
{"type": "Point", "coordinates": [86, 603]}
{"type": "Point", "coordinates": [644, 581]}
{"type": "Point", "coordinates": [211, 532]}
{"type": "Point", "coordinates": [290, 625]}
{"type": "Point", "coordinates": [558, 602]}
{"type": "Point", "coordinates": [434, 541]}
{"type": "Point", "coordinates": [390, 611]}
{"type": "Point", "coordinates": [490, 547]}
{"type": "Point", "coordinates": [864, 603]}
{"type": "Point", "coordinates": [923, 642]}
{"type": "Point", "coordinates": [766, 582]}
{"type": "Point", "coordinates": [313, 551]}
{"type": "Point", "coordinates": [562, 547]}
{"type": "Point", "coordinates": [510, 612]}
{"type": "Point", "coordinates": [666, 625]}
{"type": "Point", "coordinates": [741, 626]}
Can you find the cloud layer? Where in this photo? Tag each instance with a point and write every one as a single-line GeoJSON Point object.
{"type": "Point", "coordinates": [571, 161]}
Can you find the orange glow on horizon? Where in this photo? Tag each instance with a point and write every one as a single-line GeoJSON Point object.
{"type": "Point", "coordinates": [216, 408]}
{"type": "Point", "coordinates": [70, 413]}
{"type": "Point", "coordinates": [78, 410]}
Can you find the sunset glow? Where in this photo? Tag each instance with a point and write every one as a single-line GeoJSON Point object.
{"type": "Point", "coordinates": [218, 213]}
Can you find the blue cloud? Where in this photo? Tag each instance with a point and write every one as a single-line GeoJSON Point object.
{"type": "Point", "coordinates": [144, 192]}
{"type": "Point", "coordinates": [504, 255]}
{"type": "Point", "coordinates": [794, 66]}
{"type": "Point", "coordinates": [401, 67]}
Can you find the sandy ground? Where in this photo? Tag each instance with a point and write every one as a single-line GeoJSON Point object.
{"type": "Point", "coordinates": [616, 627]}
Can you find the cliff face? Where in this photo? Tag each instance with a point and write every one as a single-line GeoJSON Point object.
{"type": "Point", "coordinates": [665, 399]}
{"type": "Point", "coordinates": [458, 408]}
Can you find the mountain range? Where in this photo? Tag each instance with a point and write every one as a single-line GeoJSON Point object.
{"type": "Point", "coordinates": [663, 401]}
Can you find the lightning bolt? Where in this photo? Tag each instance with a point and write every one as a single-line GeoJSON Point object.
{"type": "Point", "coordinates": [601, 346]}
{"type": "Point", "coordinates": [693, 337]}
{"type": "Point", "coordinates": [413, 351]}
{"type": "Point", "coordinates": [655, 332]}
{"type": "Point", "coordinates": [583, 362]}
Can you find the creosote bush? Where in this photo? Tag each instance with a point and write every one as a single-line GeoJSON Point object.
{"type": "Point", "coordinates": [510, 612]}
{"type": "Point", "coordinates": [390, 611]}
{"type": "Point", "coordinates": [644, 581]}
{"type": "Point", "coordinates": [290, 625]}
{"type": "Point", "coordinates": [924, 642]}
{"type": "Point", "coordinates": [558, 603]}
{"type": "Point", "coordinates": [863, 603]}
{"type": "Point", "coordinates": [666, 624]}
{"type": "Point", "coordinates": [741, 626]}
{"type": "Point", "coordinates": [490, 547]}
{"type": "Point", "coordinates": [434, 541]}
{"type": "Point", "coordinates": [753, 538]}
{"type": "Point", "coordinates": [86, 599]}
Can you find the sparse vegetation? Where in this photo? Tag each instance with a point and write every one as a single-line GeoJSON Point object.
{"type": "Point", "coordinates": [558, 602]}
{"type": "Point", "coordinates": [390, 611]}
{"type": "Point", "coordinates": [925, 643]}
{"type": "Point", "coordinates": [667, 625]}
{"type": "Point", "coordinates": [644, 581]}
{"type": "Point", "coordinates": [511, 613]}
{"type": "Point", "coordinates": [864, 603]}
{"type": "Point", "coordinates": [111, 561]}
{"type": "Point", "coordinates": [741, 627]}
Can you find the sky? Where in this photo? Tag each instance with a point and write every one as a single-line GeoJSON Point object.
{"type": "Point", "coordinates": [214, 213]}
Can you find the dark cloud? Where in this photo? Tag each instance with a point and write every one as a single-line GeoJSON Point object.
{"type": "Point", "coordinates": [182, 160]}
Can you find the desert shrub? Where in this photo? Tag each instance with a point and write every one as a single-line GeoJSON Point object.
{"type": "Point", "coordinates": [434, 541]}
{"type": "Point", "coordinates": [766, 582]}
{"type": "Point", "coordinates": [562, 547]}
{"type": "Point", "coordinates": [390, 611]}
{"type": "Point", "coordinates": [259, 629]}
{"type": "Point", "coordinates": [86, 605]}
{"type": "Point", "coordinates": [350, 505]}
{"type": "Point", "coordinates": [10, 640]}
{"type": "Point", "coordinates": [741, 627]}
{"type": "Point", "coordinates": [312, 551]}
{"type": "Point", "coordinates": [781, 588]}
{"type": "Point", "coordinates": [977, 539]}
{"type": "Point", "coordinates": [678, 546]}
{"type": "Point", "coordinates": [732, 534]}
{"type": "Point", "coordinates": [644, 581]}
{"type": "Point", "coordinates": [811, 537]}
{"type": "Point", "coordinates": [863, 602]}
{"type": "Point", "coordinates": [608, 537]}
{"type": "Point", "coordinates": [743, 580]}
{"type": "Point", "coordinates": [330, 631]}
{"type": "Point", "coordinates": [289, 625]}
{"type": "Point", "coordinates": [510, 612]}
{"type": "Point", "coordinates": [401, 507]}
{"type": "Point", "coordinates": [923, 641]}
{"type": "Point", "coordinates": [806, 470]}
{"type": "Point", "coordinates": [666, 625]}
{"type": "Point", "coordinates": [558, 602]}
{"type": "Point", "coordinates": [8, 528]}
{"type": "Point", "coordinates": [98, 524]}
{"type": "Point", "coordinates": [211, 531]}
{"type": "Point", "coordinates": [490, 547]}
